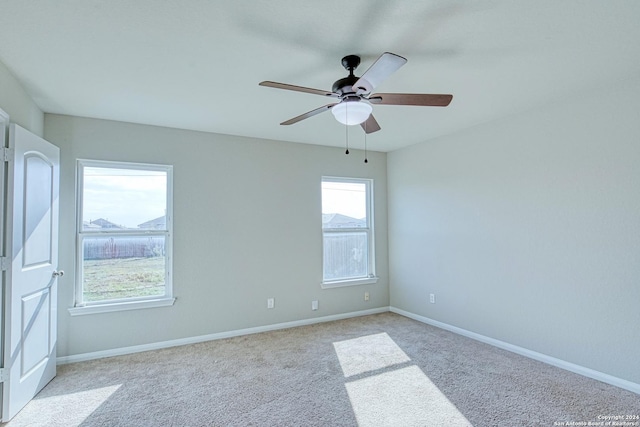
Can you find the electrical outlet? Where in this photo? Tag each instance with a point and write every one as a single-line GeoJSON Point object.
{"type": "Point", "coordinates": [366, 296]}
{"type": "Point", "coordinates": [314, 305]}
{"type": "Point", "coordinates": [271, 302]}
{"type": "Point", "coordinates": [432, 298]}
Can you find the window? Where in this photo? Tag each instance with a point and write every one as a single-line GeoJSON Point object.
{"type": "Point", "coordinates": [347, 229]}
{"type": "Point", "coordinates": [124, 236]}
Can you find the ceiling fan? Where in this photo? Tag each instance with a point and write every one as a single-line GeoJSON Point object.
{"type": "Point", "coordinates": [353, 94]}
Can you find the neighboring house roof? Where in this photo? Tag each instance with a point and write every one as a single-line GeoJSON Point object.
{"type": "Point", "coordinates": [159, 223]}
{"type": "Point", "coordinates": [86, 225]}
{"type": "Point", "coordinates": [103, 224]}
{"type": "Point", "coordinates": [335, 220]}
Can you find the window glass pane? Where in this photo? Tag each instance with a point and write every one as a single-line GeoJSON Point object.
{"type": "Point", "coordinates": [123, 267]}
{"type": "Point", "coordinates": [345, 255]}
{"type": "Point", "coordinates": [120, 199]}
{"type": "Point", "coordinates": [344, 205]}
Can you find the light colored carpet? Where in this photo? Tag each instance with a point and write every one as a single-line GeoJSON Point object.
{"type": "Point", "coordinates": [370, 371]}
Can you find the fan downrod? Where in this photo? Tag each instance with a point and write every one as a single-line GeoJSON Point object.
{"type": "Point", "coordinates": [344, 86]}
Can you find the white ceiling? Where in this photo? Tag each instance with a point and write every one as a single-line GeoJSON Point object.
{"type": "Point", "coordinates": [196, 64]}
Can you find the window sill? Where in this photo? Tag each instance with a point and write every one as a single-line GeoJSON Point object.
{"type": "Point", "coordinates": [351, 282]}
{"type": "Point", "coordinates": [121, 306]}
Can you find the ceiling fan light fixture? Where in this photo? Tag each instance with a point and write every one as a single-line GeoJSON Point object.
{"type": "Point", "coordinates": [352, 95]}
{"type": "Point", "coordinates": [351, 112]}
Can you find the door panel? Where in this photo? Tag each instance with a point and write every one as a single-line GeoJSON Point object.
{"type": "Point", "coordinates": [37, 234]}
{"type": "Point", "coordinates": [36, 327]}
{"type": "Point", "coordinates": [31, 285]}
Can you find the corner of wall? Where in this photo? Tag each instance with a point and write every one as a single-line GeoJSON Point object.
{"type": "Point", "coordinates": [16, 102]}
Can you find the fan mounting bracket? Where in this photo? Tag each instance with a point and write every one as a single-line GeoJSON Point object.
{"type": "Point", "coordinates": [351, 62]}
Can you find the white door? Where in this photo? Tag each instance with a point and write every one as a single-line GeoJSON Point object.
{"type": "Point", "coordinates": [31, 278]}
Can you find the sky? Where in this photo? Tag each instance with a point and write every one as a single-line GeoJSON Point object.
{"type": "Point", "coordinates": [348, 199]}
{"type": "Point", "coordinates": [124, 197]}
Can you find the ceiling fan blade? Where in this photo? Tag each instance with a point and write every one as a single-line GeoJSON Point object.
{"type": "Point", "coordinates": [308, 114]}
{"type": "Point", "coordinates": [370, 125]}
{"type": "Point", "coordinates": [299, 89]}
{"type": "Point", "coordinates": [419, 99]}
{"type": "Point", "coordinates": [384, 66]}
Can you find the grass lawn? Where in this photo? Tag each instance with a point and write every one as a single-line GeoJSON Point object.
{"type": "Point", "coordinates": [122, 278]}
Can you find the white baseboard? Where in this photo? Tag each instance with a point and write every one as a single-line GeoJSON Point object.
{"type": "Point", "coordinates": [581, 370]}
{"type": "Point", "coordinates": [587, 372]}
{"type": "Point", "coordinates": [220, 335]}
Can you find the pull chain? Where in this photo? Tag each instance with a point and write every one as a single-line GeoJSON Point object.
{"type": "Point", "coordinates": [365, 142]}
{"type": "Point", "coordinates": [346, 128]}
{"type": "Point", "coordinates": [346, 132]}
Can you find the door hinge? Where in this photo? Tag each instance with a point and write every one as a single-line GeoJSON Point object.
{"type": "Point", "coordinates": [4, 375]}
{"type": "Point", "coordinates": [4, 263]}
{"type": "Point", "coordinates": [7, 154]}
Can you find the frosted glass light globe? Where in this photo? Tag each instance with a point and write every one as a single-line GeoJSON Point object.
{"type": "Point", "coordinates": [351, 112]}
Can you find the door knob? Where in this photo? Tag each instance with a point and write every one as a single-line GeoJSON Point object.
{"type": "Point", "coordinates": [58, 273]}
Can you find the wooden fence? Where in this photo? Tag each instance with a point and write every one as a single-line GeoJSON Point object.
{"type": "Point", "coordinates": [122, 247]}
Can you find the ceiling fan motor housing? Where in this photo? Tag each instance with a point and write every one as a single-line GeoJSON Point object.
{"type": "Point", "coordinates": [344, 86]}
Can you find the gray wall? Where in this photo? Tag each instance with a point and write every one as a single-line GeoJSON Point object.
{"type": "Point", "coordinates": [528, 230]}
{"type": "Point", "coordinates": [247, 226]}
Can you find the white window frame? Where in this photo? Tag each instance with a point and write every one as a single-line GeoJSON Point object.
{"type": "Point", "coordinates": [370, 277]}
{"type": "Point", "coordinates": [81, 307]}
